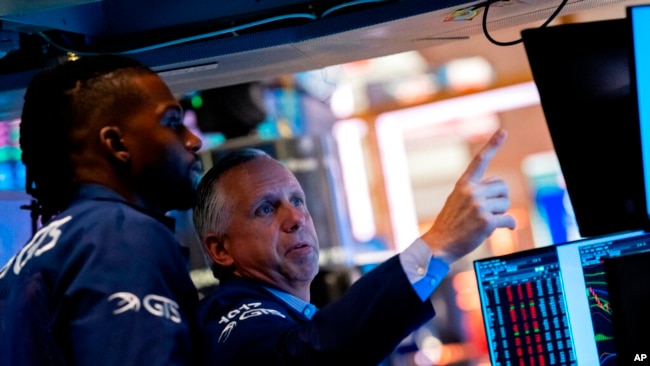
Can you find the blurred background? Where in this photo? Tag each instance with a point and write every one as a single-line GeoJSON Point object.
{"type": "Point", "coordinates": [378, 144]}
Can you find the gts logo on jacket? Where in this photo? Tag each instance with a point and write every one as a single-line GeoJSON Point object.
{"type": "Point", "coordinates": [245, 311]}
{"type": "Point", "coordinates": [44, 240]}
{"type": "Point", "coordinates": [157, 305]}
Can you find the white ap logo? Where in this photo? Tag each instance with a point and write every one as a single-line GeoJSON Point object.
{"type": "Point", "coordinates": [157, 305]}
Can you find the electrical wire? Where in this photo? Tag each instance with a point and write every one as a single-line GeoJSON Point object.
{"type": "Point", "coordinates": [348, 4]}
{"type": "Point", "coordinates": [186, 39]}
{"type": "Point", "coordinates": [212, 34]}
{"type": "Point", "coordinates": [285, 17]}
{"type": "Point", "coordinates": [510, 43]}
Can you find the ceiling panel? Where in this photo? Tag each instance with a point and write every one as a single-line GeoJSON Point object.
{"type": "Point", "coordinates": [192, 47]}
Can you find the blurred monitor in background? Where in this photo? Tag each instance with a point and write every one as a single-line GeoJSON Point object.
{"type": "Point", "coordinates": [15, 223]}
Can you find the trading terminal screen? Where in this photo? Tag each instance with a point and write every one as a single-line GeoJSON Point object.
{"type": "Point", "coordinates": [550, 305]}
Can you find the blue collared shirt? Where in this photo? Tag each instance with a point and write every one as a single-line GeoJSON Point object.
{"type": "Point", "coordinates": [307, 309]}
{"type": "Point", "coordinates": [424, 271]}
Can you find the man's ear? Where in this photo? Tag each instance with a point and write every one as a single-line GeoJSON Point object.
{"type": "Point", "coordinates": [111, 140]}
{"type": "Point", "coordinates": [216, 249]}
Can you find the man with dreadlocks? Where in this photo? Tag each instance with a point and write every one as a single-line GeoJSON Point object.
{"type": "Point", "coordinates": [104, 281]}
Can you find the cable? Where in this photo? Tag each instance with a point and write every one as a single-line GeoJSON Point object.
{"type": "Point", "coordinates": [187, 39]}
{"type": "Point", "coordinates": [211, 34]}
{"type": "Point", "coordinates": [510, 43]}
{"type": "Point", "coordinates": [351, 3]}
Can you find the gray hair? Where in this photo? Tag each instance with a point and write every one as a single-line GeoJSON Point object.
{"type": "Point", "coordinates": [213, 209]}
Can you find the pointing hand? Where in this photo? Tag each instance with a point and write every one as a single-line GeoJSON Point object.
{"type": "Point", "coordinates": [473, 210]}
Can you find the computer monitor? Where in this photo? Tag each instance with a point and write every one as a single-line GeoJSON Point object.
{"type": "Point", "coordinates": [551, 305]}
{"type": "Point", "coordinates": [639, 34]}
{"type": "Point", "coordinates": [582, 73]}
{"type": "Point", "coordinates": [628, 276]}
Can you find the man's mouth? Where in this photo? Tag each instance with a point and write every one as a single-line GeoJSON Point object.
{"type": "Point", "coordinates": [300, 247]}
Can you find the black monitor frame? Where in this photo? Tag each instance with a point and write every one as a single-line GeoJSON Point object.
{"type": "Point", "coordinates": [582, 73]}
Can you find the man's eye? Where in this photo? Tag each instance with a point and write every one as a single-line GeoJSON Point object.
{"type": "Point", "coordinates": [298, 201]}
{"type": "Point", "coordinates": [264, 210]}
{"type": "Point", "coordinates": [174, 123]}
{"type": "Point", "coordinates": [173, 119]}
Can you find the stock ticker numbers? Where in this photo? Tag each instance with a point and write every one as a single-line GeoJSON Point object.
{"type": "Point", "coordinates": [553, 305]}
{"type": "Point", "coordinates": [529, 321]}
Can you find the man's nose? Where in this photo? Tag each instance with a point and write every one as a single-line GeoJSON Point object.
{"type": "Point", "coordinates": [192, 141]}
{"type": "Point", "coordinates": [294, 218]}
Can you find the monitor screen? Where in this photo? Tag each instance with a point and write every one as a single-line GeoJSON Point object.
{"type": "Point", "coordinates": [639, 20]}
{"type": "Point", "coordinates": [550, 305]}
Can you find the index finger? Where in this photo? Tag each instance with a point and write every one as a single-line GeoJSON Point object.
{"type": "Point", "coordinates": [481, 160]}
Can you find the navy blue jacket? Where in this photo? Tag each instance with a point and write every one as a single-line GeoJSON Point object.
{"type": "Point", "coordinates": [244, 324]}
{"type": "Point", "coordinates": [102, 283]}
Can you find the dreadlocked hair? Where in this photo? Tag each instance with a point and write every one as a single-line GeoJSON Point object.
{"type": "Point", "coordinates": [59, 104]}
